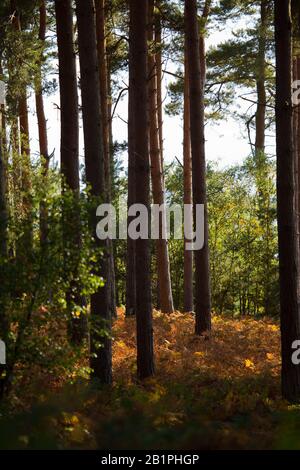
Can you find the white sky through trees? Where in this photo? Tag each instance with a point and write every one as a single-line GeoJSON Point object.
{"type": "Point", "coordinates": [226, 140]}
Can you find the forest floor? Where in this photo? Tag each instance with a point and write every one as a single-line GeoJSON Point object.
{"type": "Point", "coordinates": [213, 392]}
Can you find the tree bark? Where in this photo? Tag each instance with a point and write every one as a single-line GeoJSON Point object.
{"type": "Point", "coordinates": [158, 59]}
{"type": "Point", "coordinates": [202, 274]}
{"type": "Point", "coordinates": [131, 255]}
{"type": "Point", "coordinates": [130, 300]}
{"type": "Point", "coordinates": [41, 119]}
{"type": "Point", "coordinates": [296, 109]}
{"type": "Point", "coordinates": [23, 106]}
{"type": "Point", "coordinates": [103, 81]}
{"type": "Point", "coordinates": [101, 357]}
{"type": "Point", "coordinates": [26, 241]}
{"type": "Point", "coordinates": [287, 233]}
{"type": "Point", "coordinates": [3, 194]}
{"type": "Point", "coordinates": [70, 161]}
{"type": "Point", "coordinates": [139, 51]}
{"type": "Point", "coordinates": [4, 323]}
{"type": "Point", "coordinates": [104, 78]}
{"type": "Point", "coordinates": [188, 194]}
{"type": "Point", "coordinates": [111, 156]}
{"type": "Point", "coordinates": [260, 118]}
{"type": "Point", "coordinates": [24, 126]}
{"type": "Point", "coordinates": [297, 146]}
{"type": "Point", "coordinates": [158, 190]}
{"type": "Point", "coordinates": [296, 137]}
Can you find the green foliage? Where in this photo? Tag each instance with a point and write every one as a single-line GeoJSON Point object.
{"type": "Point", "coordinates": [243, 237]}
{"type": "Point", "coordinates": [38, 276]}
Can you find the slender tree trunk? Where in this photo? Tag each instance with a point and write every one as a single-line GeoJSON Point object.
{"type": "Point", "coordinates": [131, 255]}
{"type": "Point", "coordinates": [260, 118]}
{"type": "Point", "coordinates": [138, 47]}
{"type": "Point", "coordinates": [15, 152]}
{"type": "Point", "coordinates": [42, 123]}
{"type": "Point", "coordinates": [202, 275]}
{"type": "Point", "coordinates": [188, 193]}
{"type": "Point", "coordinates": [296, 110]}
{"type": "Point", "coordinates": [4, 320]}
{"type": "Point", "coordinates": [296, 137]}
{"type": "Point", "coordinates": [3, 193]}
{"type": "Point", "coordinates": [70, 161]}
{"type": "Point", "coordinates": [111, 156]}
{"type": "Point", "coordinates": [104, 78]}
{"type": "Point", "coordinates": [287, 234]}
{"type": "Point", "coordinates": [297, 147]}
{"type": "Point", "coordinates": [26, 172]}
{"type": "Point", "coordinates": [101, 360]}
{"type": "Point", "coordinates": [3, 184]}
{"type": "Point", "coordinates": [103, 81]}
{"type": "Point", "coordinates": [131, 245]}
{"type": "Point", "coordinates": [24, 126]}
{"type": "Point", "coordinates": [260, 129]}
{"type": "Point", "coordinates": [159, 72]}
{"type": "Point", "coordinates": [27, 238]}
{"type": "Point", "coordinates": [68, 94]}
{"type": "Point", "coordinates": [23, 106]}
{"type": "Point", "coordinates": [14, 137]}
{"type": "Point", "coordinates": [4, 324]}
{"type": "Point", "coordinates": [162, 254]}
{"type": "Point", "coordinates": [25, 243]}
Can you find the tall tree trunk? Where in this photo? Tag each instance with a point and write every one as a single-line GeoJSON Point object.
{"type": "Point", "coordinates": [103, 81]}
{"type": "Point", "coordinates": [25, 172]}
{"type": "Point", "coordinates": [3, 197]}
{"type": "Point", "coordinates": [104, 78]}
{"type": "Point", "coordinates": [159, 72]}
{"type": "Point", "coordinates": [296, 112]}
{"type": "Point", "coordinates": [188, 303]}
{"type": "Point", "coordinates": [41, 119]}
{"type": "Point", "coordinates": [23, 106]}
{"type": "Point", "coordinates": [202, 274]}
{"type": "Point", "coordinates": [260, 118]}
{"type": "Point", "coordinates": [70, 160]}
{"type": "Point", "coordinates": [3, 183]}
{"type": "Point", "coordinates": [287, 233]}
{"type": "Point", "coordinates": [101, 360]}
{"type": "Point", "coordinates": [4, 325]}
{"type": "Point", "coordinates": [297, 148]}
{"type": "Point", "coordinates": [296, 137]}
{"type": "Point", "coordinates": [25, 243]}
{"type": "Point", "coordinates": [260, 129]}
{"type": "Point", "coordinates": [138, 48]}
{"type": "Point", "coordinates": [15, 152]}
{"type": "Point", "coordinates": [162, 254]}
{"type": "Point", "coordinates": [111, 156]}
{"type": "Point", "coordinates": [24, 126]}
{"type": "Point", "coordinates": [130, 300]}
{"type": "Point", "coordinates": [131, 255]}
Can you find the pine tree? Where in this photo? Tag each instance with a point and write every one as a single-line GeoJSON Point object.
{"type": "Point", "coordinates": [41, 118]}
{"type": "Point", "coordinates": [104, 79]}
{"type": "Point", "coordinates": [188, 193]}
{"type": "Point", "coordinates": [158, 190]}
{"type": "Point", "coordinates": [101, 360]}
{"type": "Point", "coordinates": [287, 231]}
{"type": "Point", "coordinates": [70, 160]}
{"type": "Point", "coordinates": [139, 70]}
{"type": "Point", "coordinates": [196, 78]}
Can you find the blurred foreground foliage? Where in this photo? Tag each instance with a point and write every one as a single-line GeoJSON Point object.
{"type": "Point", "coordinates": [217, 392]}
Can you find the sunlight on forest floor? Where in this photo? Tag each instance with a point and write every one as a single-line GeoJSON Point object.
{"type": "Point", "coordinates": [210, 392]}
{"type": "Point", "coordinates": [234, 349]}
